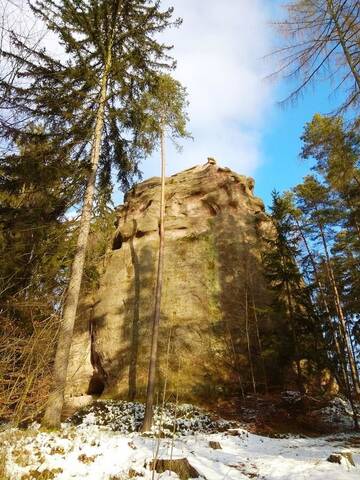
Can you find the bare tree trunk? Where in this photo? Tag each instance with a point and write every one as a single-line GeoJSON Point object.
{"type": "Point", "coordinates": [248, 339]}
{"type": "Point", "coordinates": [291, 314]}
{"type": "Point", "coordinates": [55, 402]}
{"type": "Point", "coordinates": [159, 283]}
{"type": "Point", "coordinates": [236, 364]}
{"type": "Point", "coordinates": [332, 327]}
{"type": "Point", "coordinates": [353, 209]}
{"type": "Point", "coordinates": [259, 343]}
{"type": "Point", "coordinates": [340, 313]}
{"type": "Point", "coordinates": [352, 348]}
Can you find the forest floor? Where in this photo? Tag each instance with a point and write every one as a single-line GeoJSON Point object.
{"type": "Point", "coordinates": [102, 443]}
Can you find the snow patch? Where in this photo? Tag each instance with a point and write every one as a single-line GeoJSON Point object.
{"type": "Point", "coordinates": [93, 450]}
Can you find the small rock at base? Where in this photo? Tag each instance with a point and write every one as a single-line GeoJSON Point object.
{"type": "Point", "coordinates": [337, 458]}
{"type": "Point", "coordinates": [334, 458]}
{"type": "Point", "coordinates": [180, 466]}
{"type": "Point", "coordinates": [215, 445]}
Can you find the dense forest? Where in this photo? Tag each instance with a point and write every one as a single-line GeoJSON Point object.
{"type": "Point", "coordinates": [75, 125]}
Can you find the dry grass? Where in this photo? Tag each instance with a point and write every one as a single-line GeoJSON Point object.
{"type": "Point", "coordinates": [43, 475]}
{"type": "Point", "coordinates": [3, 475]}
{"type": "Point", "coordinates": [85, 459]}
{"type": "Point", "coordinates": [25, 369]}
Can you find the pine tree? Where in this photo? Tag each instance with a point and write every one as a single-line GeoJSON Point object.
{"type": "Point", "coordinates": [316, 202]}
{"type": "Point", "coordinates": [336, 151]}
{"type": "Point", "coordinates": [322, 305]}
{"type": "Point", "coordinates": [346, 262]}
{"type": "Point", "coordinates": [335, 148]}
{"type": "Point", "coordinates": [85, 103]}
{"type": "Point", "coordinates": [164, 113]}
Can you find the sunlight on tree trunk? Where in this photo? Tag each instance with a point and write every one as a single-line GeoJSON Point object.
{"type": "Point", "coordinates": [55, 402]}
{"type": "Point", "coordinates": [248, 339]}
{"type": "Point", "coordinates": [340, 313]}
{"type": "Point", "coordinates": [149, 408]}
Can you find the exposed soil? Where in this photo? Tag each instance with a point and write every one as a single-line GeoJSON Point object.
{"type": "Point", "coordinates": [283, 413]}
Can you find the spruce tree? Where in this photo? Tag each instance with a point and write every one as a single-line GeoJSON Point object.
{"type": "Point", "coordinates": [291, 299]}
{"type": "Point", "coordinates": [37, 188]}
{"type": "Point", "coordinates": [86, 103]}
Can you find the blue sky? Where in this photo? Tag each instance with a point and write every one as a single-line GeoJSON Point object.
{"type": "Point", "coordinates": [282, 168]}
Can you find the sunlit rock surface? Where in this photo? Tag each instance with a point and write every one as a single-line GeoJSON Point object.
{"type": "Point", "coordinates": [213, 292]}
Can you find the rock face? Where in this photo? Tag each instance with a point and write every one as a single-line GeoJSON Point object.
{"type": "Point", "coordinates": [213, 289]}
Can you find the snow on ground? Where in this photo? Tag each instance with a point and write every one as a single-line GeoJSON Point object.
{"type": "Point", "coordinates": [101, 452]}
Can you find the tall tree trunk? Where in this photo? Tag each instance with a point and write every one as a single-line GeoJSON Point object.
{"type": "Point", "coordinates": [340, 313]}
{"type": "Point", "coordinates": [134, 351]}
{"type": "Point", "coordinates": [291, 314]}
{"type": "Point", "coordinates": [331, 325]}
{"type": "Point", "coordinates": [353, 211]}
{"type": "Point", "coordinates": [259, 343]}
{"type": "Point", "coordinates": [248, 340]}
{"type": "Point", "coordinates": [55, 402]}
{"type": "Point", "coordinates": [235, 359]}
{"type": "Point", "coordinates": [352, 347]}
{"type": "Point", "coordinates": [149, 408]}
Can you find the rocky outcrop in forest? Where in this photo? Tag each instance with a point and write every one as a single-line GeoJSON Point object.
{"type": "Point", "coordinates": [214, 292]}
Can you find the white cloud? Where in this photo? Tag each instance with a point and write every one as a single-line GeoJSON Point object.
{"type": "Point", "coordinates": [219, 50]}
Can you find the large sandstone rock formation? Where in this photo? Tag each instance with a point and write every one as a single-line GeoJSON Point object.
{"type": "Point", "coordinates": [212, 281]}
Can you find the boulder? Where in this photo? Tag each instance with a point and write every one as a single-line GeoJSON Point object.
{"type": "Point", "coordinates": [215, 232]}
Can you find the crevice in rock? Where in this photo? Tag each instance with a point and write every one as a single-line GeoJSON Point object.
{"type": "Point", "coordinates": [213, 208]}
{"type": "Point", "coordinates": [98, 380]}
{"type": "Point", "coordinates": [117, 242]}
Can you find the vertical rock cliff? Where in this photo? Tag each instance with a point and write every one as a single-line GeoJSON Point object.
{"type": "Point", "coordinates": [213, 289]}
